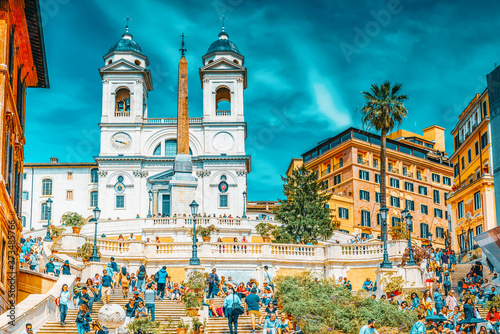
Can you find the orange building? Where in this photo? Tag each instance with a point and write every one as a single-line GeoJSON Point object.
{"type": "Point", "coordinates": [472, 200]}
{"type": "Point", "coordinates": [22, 65]}
{"type": "Point", "coordinates": [418, 177]}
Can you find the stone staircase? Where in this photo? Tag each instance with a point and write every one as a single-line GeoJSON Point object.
{"type": "Point", "coordinates": [220, 325]}
{"type": "Point", "coordinates": [164, 309]}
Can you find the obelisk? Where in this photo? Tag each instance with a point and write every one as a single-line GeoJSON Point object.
{"type": "Point", "coordinates": [183, 183]}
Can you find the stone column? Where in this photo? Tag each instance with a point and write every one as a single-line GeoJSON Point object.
{"type": "Point", "coordinates": [182, 109]}
{"type": "Point", "coordinates": [155, 202]}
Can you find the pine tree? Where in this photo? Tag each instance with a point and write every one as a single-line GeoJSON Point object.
{"type": "Point", "coordinates": [304, 212]}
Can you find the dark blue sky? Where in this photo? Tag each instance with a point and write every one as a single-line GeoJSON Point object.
{"type": "Point", "coordinates": [307, 62]}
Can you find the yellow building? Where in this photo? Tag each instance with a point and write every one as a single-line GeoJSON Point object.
{"type": "Point", "coordinates": [22, 65]}
{"type": "Point", "coordinates": [472, 200]}
{"type": "Point", "coordinates": [418, 177]}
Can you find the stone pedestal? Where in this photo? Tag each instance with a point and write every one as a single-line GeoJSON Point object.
{"type": "Point", "coordinates": [381, 273]}
{"type": "Point", "coordinates": [183, 185]}
{"type": "Point", "coordinates": [413, 277]}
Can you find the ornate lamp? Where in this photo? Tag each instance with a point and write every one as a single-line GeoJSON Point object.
{"type": "Point", "coordinates": [150, 194]}
{"type": "Point", "coordinates": [49, 213]}
{"type": "Point", "coordinates": [383, 215]}
{"type": "Point", "coordinates": [409, 222]}
{"type": "Point", "coordinates": [95, 255]}
{"type": "Point", "coordinates": [194, 261]}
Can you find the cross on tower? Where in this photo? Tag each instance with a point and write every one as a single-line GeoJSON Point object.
{"type": "Point", "coordinates": [223, 18]}
{"type": "Point", "coordinates": [127, 19]}
{"type": "Point", "coordinates": [182, 49]}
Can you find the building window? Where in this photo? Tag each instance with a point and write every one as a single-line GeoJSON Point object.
{"type": "Point", "coordinates": [439, 232]}
{"type": "Point", "coordinates": [336, 179]}
{"type": "Point", "coordinates": [45, 212]}
{"type": "Point", "coordinates": [394, 183]}
{"type": "Point", "coordinates": [343, 213]}
{"type": "Point", "coordinates": [378, 197]}
{"type": "Point", "coordinates": [396, 221]}
{"type": "Point", "coordinates": [484, 140]}
{"type": "Point", "coordinates": [365, 218]}
{"type": "Point", "coordinates": [377, 178]}
{"type": "Point", "coordinates": [422, 190]}
{"type": "Point", "coordinates": [120, 201]}
{"type": "Point", "coordinates": [436, 178]}
{"type": "Point", "coordinates": [94, 196]}
{"type": "Point", "coordinates": [223, 201]}
{"type": "Point", "coordinates": [24, 176]}
{"type": "Point", "coordinates": [26, 195]}
{"type": "Point", "coordinates": [477, 200]}
{"type": "Point", "coordinates": [328, 170]}
{"type": "Point", "coordinates": [405, 171]}
{"type": "Point", "coordinates": [375, 163]}
{"type": "Point", "coordinates": [341, 162]}
{"type": "Point", "coordinates": [437, 200]}
{"type": "Point", "coordinates": [479, 229]}
{"type": "Point", "coordinates": [424, 230]}
{"type": "Point", "coordinates": [94, 178]}
{"type": "Point", "coordinates": [409, 186]}
{"type": "Point", "coordinates": [456, 170]}
{"type": "Point", "coordinates": [364, 175]}
{"type": "Point", "coordinates": [69, 176]}
{"type": "Point", "coordinates": [391, 167]}
{"type": "Point", "coordinates": [69, 194]}
{"type": "Point", "coordinates": [446, 181]}
{"type": "Point", "coordinates": [460, 209]}
{"type": "Point", "coordinates": [423, 209]}
{"type": "Point", "coordinates": [469, 156]}
{"type": "Point", "coordinates": [485, 110]}
{"type": "Point", "coordinates": [364, 195]}
{"type": "Point", "coordinates": [419, 175]}
{"type": "Point", "coordinates": [47, 187]}
{"type": "Point", "coordinates": [23, 221]}
{"type": "Point", "coordinates": [395, 201]}
{"type": "Point", "coordinates": [463, 162]}
{"type": "Point", "coordinates": [410, 205]}
{"type": "Point", "coordinates": [476, 148]}
{"type": "Point", "coordinates": [325, 184]}
{"type": "Point", "coordinates": [438, 213]}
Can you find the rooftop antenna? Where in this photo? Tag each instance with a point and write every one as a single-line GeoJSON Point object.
{"type": "Point", "coordinates": [223, 18]}
{"type": "Point", "coordinates": [182, 49]}
{"type": "Point", "coordinates": [127, 19]}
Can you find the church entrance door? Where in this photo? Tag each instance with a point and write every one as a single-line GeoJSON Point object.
{"type": "Point", "coordinates": [166, 204]}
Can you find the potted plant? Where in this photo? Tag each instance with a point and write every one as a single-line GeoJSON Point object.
{"type": "Point", "coordinates": [74, 220]}
{"type": "Point", "coordinates": [56, 247]}
{"type": "Point", "coordinates": [392, 284]}
{"type": "Point", "coordinates": [85, 251]}
{"type": "Point", "coordinates": [196, 324]}
{"type": "Point", "coordinates": [206, 232]}
{"type": "Point", "coordinates": [191, 303]}
{"type": "Point", "coordinates": [182, 327]}
{"type": "Point", "coordinates": [265, 230]}
{"type": "Point", "coordinates": [56, 231]}
{"type": "Point", "coordinates": [145, 325]}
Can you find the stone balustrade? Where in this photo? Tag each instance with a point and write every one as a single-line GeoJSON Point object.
{"type": "Point", "coordinates": [201, 221]}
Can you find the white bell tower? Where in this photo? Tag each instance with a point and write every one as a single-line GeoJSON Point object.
{"type": "Point", "coordinates": [223, 79]}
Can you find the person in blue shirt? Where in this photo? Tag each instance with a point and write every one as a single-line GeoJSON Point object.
{"type": "Point", "coordinates": [438, 300]}
{"type": "Point", "coordinates": [419, 326]}
{"type": "Point", "coordinates": [106, 283]}
{"type": "Point", "coordinates": [50, 268]}
{"type": "Point", "coordinates": [270, 325]}
{"type": "Point", "coordinates": [415, 301]}
{"type": "Point", "coordinates": [57, 267]}
{"type": "Point", "coordinates": [65, 268]}
{"type": "Point", "coordinates": [64, 299]}
{"type": "Point", "coordinates": [230, 302]}
{"type": "Point", "coordinates": [162, 280]}
{"type": "Point", "coordinates": [368, 285]}
{"type": "Point", "coordinates": [212, 281]}
{"type": "Point", "coordinates": [253, 305]}
{"type": "Point", "coordinates": [369, 328]}
{"type": "Point", "coordinates": [439, 256]}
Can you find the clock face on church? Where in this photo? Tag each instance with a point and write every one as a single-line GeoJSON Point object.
{"type": "Point", "coordinates": [121, 142]}
{"type": "Point", "coordinates": [223, 141]}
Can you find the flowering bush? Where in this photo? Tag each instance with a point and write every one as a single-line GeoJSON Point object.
{"type": "Point", "coordinates": [419, 255]}
{"type": "Point", "coordinates": [322, 306]}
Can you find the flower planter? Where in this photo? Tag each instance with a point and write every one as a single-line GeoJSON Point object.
{"type": "Point", "coordinates": [181, 330]}
{"type": "Point", "coordinates": [192, 312]}
{"type": "Point", "coordinates": [206, 239]}
{"type": "Point", "coordinates": [396, 293]}
{"type": "Point", "coordinates": [200, 299]}
{"type": "Point", "coordinates": [85, 261]}
{"type": "Point", "coordinates": [266, 239]}
{"type": "Point", "coordinates": [55, 251]}
{"type": "Point", "coordinates": [76, 229]}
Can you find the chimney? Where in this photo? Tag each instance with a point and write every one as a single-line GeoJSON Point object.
{"type": "Point", "coordinates": [54, 160]}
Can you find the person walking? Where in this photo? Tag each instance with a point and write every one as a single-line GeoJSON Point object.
{"type": "Point", "coordinates": [50, 268]}
{"type": "Point", "coordinates": [149, 299]}
{"type": "Point", "coordinates": [57, 267]}
{"type": "Point", "coordinates": [438, 300]}
{"type": "Point", "coordinates": [447, 283]}
{"type": "Point", "coordinates": [123, 279]}
{"type": "Point", "coordinates": [141, 278]}
{"type": "Point", "coordinates": [106, 283]}
{"type": "Point", "coordinates": [253, 304]}
{"type": "Point", "coordinates": [115, 267]}
{"type": "Point", "coordinates": [212, 281]}
{"type": "Point", "coordinates": [92, 291]}
{"type": "Point", "coordinates": [129, 312]}
{"type": "Point", "coordinates": [230, 302]}
{"type": "Point", "coordinates": [64, 299]}
{"type": "Point", "coordinates": [161, 279]}
{"type": "Point", "coordinates": [66, 270]}
{"type": "Point", "coordinates": [82, 319]}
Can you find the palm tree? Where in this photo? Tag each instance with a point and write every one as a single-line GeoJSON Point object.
{"type": "Point", "coordinates": [383, 109]}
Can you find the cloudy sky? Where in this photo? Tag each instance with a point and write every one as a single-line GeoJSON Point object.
{"type": "Point", "coordinates": [307, 62]}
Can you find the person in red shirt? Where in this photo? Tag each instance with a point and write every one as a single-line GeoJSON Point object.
{"type": "Point", "coordinates": [493, 319]}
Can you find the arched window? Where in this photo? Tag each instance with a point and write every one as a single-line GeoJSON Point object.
{"type": "Point", "coordinates": [45, 212]}
{"type": "Point", "coordinates": [47, 187]}
{"type": "Point", "coordinates": [171, 148]}
{"type": "Point", "coordinates": [223, 101]}
{"type": "Point", "coordinates": [122, 102]}
{"type": "Point", "coordinates": [23, 221]}
{"type": "Point", "coordinates": [157, 150]}
{"type": "Point", "coordinates": [93, 199]}
{"type": "Point", "coordinates": [94, 178]}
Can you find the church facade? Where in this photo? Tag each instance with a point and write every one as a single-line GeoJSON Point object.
{"type": "Point", "coordinates": [135, 165]}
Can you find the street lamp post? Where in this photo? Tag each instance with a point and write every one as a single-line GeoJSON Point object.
{"type": "Point", "coordinates": [95, 255]}
{"type": "Point", "coordinates": [383, 214]}
{"type": "Point", "coordinates": [49, 212]}
{"type": "Point", "coordinates": [194, 261]}
{"type": "Point", "coordinates": [244, 205]}
{"type": "Point", "coordinates": [429, 236]}
{"type": "Point", "coordinates": [409, 222]}
{"type": "Point", "coordinates": [150, 193]}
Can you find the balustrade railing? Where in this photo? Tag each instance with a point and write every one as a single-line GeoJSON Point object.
{"type": "Point", "coordinates": [181, 221]}
{"type": "Point", "coordinates": [222, 248]}
{"type": "Point", "coordinates": [295, 250]}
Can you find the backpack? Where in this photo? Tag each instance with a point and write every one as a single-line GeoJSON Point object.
{"type": "Point", "coordinates": [141, 275]}
{"type": "Point", "coordinates": [157, 276]}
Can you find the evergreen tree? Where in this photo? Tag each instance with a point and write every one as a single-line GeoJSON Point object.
{"type": "Point", "coordinates": [303, 213]}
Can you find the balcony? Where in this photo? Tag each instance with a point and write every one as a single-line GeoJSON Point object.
{"type": "Point", "coordinates": [363, 162]}
{"type": "Point", "coordinates": [223, 113]}
{"type": "Point", "coordinates": [393, 170]}
{"type": "Point", "coordinates": [421, 178]}
{"type": "Point", "coordinates": [121, 113]}
{"type": "Point", "coordinates": [195, 120]}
